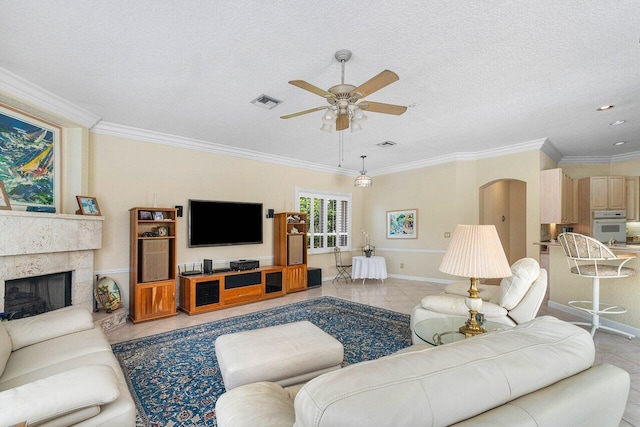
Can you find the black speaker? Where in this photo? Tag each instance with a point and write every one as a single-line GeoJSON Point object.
{"type": "Point", "coordinates": [207, 266]}
{"type": "Point", "coordinates": [179, 211]}
{"type": "Point", "coordinates": [269, 213]}
{"type": "Point", "coordinates": [314, 277]}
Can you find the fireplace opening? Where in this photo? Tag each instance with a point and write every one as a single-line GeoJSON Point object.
{"type": "Point", "coordinates": [30, 296]}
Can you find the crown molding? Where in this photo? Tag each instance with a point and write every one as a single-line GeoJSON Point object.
{"type": "Point", "coordinates": [536, 144]}
{"type": "Point", "coordinates": [600, 159]}
{"type": "Point", "coordinates": [550, 150]}
{"type": "Point", "coordinates": [121, 131]}
{"type": "Point", "coordinates": [24, 91]}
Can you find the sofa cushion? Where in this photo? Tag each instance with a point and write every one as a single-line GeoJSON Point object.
{"type": "Point", "coordinates": [59, 395]}
{"type": "Point", "coordinates": [5, 347]}
{"type": "Point", "coordinates": [60, 351]}
{"type": "Point", "coordinates": [416, 388]}
{"type": "Point", "coordinates": [53, 324]}
{"type": "Point", "coordinates": [512, 289]}
{"type": "Point", "coordinates": [455, 305]}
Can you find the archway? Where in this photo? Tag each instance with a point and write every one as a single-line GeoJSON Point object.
{"type": "Point", "coordinates": [503, 203]}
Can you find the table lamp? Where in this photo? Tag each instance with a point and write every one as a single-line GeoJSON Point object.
{"type": "Point", "coordinates": [475, 251]}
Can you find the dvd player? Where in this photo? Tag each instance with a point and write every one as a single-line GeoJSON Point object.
{"type": "Point", "coordinates": [244, 264]}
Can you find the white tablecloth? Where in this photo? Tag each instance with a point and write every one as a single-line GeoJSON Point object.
{"type": "Point", "coordinates": [368, 268]}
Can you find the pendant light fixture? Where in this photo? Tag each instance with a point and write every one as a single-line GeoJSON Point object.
{"type": "Point", "coordinates": [363, 180]}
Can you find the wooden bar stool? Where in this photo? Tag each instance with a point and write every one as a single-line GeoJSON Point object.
{"type": "Point", "coordinates": [586, 257]}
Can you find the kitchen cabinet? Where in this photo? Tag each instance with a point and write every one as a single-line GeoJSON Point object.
{"type": "Point", "coordinates": [558, 197]}
{"type": "Point", "coordinates": [599, 193]}
{"type": "Point", "coordinates": [603, 192]}
{"type": "Point", "coordinates": [633, 198]}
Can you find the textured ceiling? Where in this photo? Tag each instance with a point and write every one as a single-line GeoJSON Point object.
{"type": "Point", "coordinates": [483, 75]}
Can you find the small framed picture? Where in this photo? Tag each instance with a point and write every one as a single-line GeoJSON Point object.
{"type": "Point", "coordinates": [88, 205]}
{"type": "Point", "coordinates": [158, 216]}
{"type": "Point", "coordinates": [145, 215]}
{"type": "Point", "coordinates": [4, 199]}
{"type": "Point", "coordinates": [402, 224]}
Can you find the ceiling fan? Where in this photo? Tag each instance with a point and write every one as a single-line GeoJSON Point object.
{"type": "Point", "coordinates": [344, 108]}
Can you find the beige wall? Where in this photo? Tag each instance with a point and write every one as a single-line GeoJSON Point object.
{"type": "Point", "coordinates": [445, 195]}
{"type": "Point", "coordinates": [126, 173]}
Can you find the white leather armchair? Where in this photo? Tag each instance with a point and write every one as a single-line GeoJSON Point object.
{"type": "Point", "coordinates": [516, 300]}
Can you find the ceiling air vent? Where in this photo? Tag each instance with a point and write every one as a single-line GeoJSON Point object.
{"type": "Point", "coordinates": [386, 144]}
{"type": "Point", "coordinates": [266, 102]}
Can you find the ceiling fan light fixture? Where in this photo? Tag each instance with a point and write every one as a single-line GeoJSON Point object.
{"type": "Point", "coordinates": [329, 116]}
{"type": "Point", "coordinates": [326, 127]}
{"type": "Point", "coordinates": [363, 180]}
{"type": "Point", "coordinates": [358, 116]}
{"type": "Point", "coordinates": [355, 127]}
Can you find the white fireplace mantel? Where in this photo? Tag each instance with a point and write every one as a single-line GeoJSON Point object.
{"type": "Point", "coordinates": [33, 244]}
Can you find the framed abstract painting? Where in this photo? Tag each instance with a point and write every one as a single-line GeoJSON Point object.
{"type": "Point", "coordinates": [30, 160]}
{"type": "Point", "coordinates": [402, 224]}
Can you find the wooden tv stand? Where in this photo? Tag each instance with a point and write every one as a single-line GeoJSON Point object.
{"type": "Point", "coordinates": [201, 293]}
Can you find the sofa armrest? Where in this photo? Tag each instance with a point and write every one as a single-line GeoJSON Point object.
{"type": "Point", "coordinates": [58, 395]}
{"type": "Point", "coordinates": [455, 306]}
{"type": "Point", "coordinates": [31, 330]}
{"type": "Point", "coordinates": [262, 403]}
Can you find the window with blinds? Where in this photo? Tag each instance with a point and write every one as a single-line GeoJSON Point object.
{"type": "Point", "coordinates": [329, 217]}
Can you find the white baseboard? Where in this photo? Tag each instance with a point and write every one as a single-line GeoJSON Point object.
{"type": "Point", "coordinates": [586, 316]}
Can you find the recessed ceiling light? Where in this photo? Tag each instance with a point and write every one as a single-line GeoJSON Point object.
{"type": "Point", "coordinates": [617, 122]}
{"type": "Point", "coordinates": [620, 143]}
{"type": "Point", "coordinates": [605, 107]}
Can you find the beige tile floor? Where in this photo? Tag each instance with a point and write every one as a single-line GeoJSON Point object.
{"type": "Point", "coordinates": [401, 296]}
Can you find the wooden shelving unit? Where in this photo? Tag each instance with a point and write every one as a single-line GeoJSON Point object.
{"type": "Point", "coordinates": [201, 293]}
{"type": "Point", "coordinates": [152, 263]}
{"type": "Point", "coordinates": [290, 248]}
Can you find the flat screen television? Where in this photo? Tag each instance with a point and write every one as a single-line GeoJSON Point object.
{"type": "Point", "coordinates": [218, 223]}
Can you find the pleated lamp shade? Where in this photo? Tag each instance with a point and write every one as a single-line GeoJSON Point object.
{"type": "Point", "coordinates": [475, 251]}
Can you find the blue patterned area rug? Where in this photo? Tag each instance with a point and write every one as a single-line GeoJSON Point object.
{"type": "Point", "coordinates": [174, 376]}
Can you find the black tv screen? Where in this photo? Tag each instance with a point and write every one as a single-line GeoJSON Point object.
{"type": "Point", "coordinates": [216, 223]}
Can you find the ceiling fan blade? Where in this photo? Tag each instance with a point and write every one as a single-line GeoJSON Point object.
{"type": "Point", "coordinates": [300, 113]}
{"type": "Point", "coordinates": [342, 122]}
{"type": "Point", "coordinates": [311, 88]}
{"type": "Point", "coordinates": [374, 84]}
{"type": "Point", "coordinates": [378, 107]}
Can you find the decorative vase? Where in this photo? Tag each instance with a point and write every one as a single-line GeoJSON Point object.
{"type": "Point", "coordinates": [367, 254]}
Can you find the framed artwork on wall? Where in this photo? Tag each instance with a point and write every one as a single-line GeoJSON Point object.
{"type": "Point", "coordinates": [402, 224]}
{"type": "Point", "coordinates": [30, 162]}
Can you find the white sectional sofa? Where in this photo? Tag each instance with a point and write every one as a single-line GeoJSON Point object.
{"type": "Point", "coordinates": [539, 373]}
{"type": "Point", "coordinates": [57, 369]}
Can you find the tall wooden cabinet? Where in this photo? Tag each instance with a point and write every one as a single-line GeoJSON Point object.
{"type": "Point", "coordinates": [152, 263]}
{"type": "Point", "coordinates": [290, 248]}
{"type": "Point", "coordinates": [558, 198]}
{"type": "Point", "coordinates": [633, 198]}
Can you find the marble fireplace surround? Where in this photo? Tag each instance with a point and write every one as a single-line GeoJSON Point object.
{"type": "Point", "coordinates": [34, 244]}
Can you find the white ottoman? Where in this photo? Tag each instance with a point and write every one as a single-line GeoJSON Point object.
{"type": "Point", "coordinates": [285, 354]}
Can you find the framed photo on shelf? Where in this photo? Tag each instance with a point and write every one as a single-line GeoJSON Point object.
{"type": "Point", "coordinates": [5, 203]}
{"type": "Point", "coordinates": [145, 215]}
{"type": "Point", "coordinates": [30, 161]}
{"type": "Point", "coordinates": [402, 224]}
{"type": "Point", "coordinates": [158, 216]}
{"type": "Point", "coordinates": [88, 205]}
